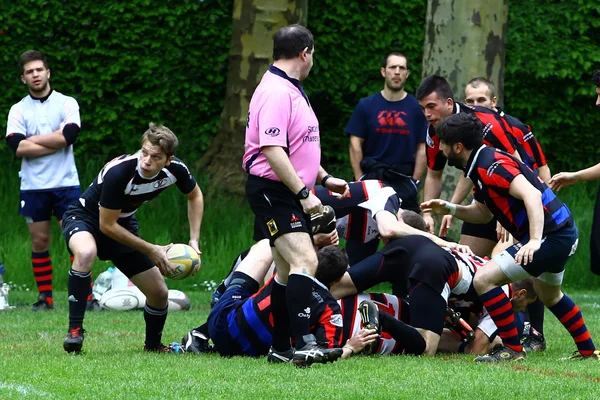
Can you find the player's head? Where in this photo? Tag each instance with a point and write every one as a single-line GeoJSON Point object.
{"type": "Point", "coordinates": [158, 148]}
{"type": "Point", "coordinates": [333, 263]}
{"type": "Point", "coordinates": [295, 42]}
{"type": "Point", "coordinates": [523, 294]}
{"type": "Point", "coordinates": [34, 71]}
{"type": "Point", "coordinates": [596, 79]}
{"type": "Point", "coordinates": [481, 92]}
{"type": "Point", "coordinates": [413, 219]}
{"type": "Point", "coordinates": [436, 98]}
{"type": "Point", "coordinates": [394, 70]}
{"type": "Point", "coordinates": [459, 134]}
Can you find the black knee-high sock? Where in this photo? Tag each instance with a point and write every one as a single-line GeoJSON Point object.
{"type": "Point", "coordinates": [155, 322]}
{"type": "Point", "coordinates": [78, 286]}
{"type": "Point", "coordinates": [281, 319]}
{"type": "Point", "coordinates": [405, 335]}
{"type": "Point", "coordinates": [203, 329]}
{"type": "Point", "coordinates": [298, 295]}
{"type": "Point", "coordinates": [536, 315]}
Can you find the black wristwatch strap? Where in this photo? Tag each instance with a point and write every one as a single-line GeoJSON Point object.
{"type": "Point", "coordinates": [303, 193]}
{"type": "Point", "coordinates": [325, 179]}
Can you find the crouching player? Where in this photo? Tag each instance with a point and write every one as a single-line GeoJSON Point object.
{"type": "Point", "coordinates": [102, 223]}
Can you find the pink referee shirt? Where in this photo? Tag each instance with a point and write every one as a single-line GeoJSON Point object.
{"type": "Point", "coordinates": [280, 115]}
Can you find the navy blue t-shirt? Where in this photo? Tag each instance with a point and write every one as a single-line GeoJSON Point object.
{"type": "Point", "coordinates": [391, 129]}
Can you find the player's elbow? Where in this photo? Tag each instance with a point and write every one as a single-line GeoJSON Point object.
{"type": "Point", "coordinates": [106, 228]}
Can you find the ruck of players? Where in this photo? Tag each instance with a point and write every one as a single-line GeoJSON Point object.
{"type": "Point", "coordinates": [296, 296]}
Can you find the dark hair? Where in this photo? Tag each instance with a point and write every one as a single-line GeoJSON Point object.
{"type": "Point", "coordinates": [526, 284]}
{"type": "Point", "coordinates": [413, 219]}
{"type": "Point", "coordinates": [289, 42]}
{"type": "Point", "coordinates": [475, 82]}
{"type": "Point", "coordinates": [437, 84]}
{"type": "Point", "coordinates": [394, 53]}
{"type": "Point", "coordinates": [333, 263]}
{"type": "Point", "coordinates": [596, 77]}
{"type": "Point", "coordinates": [461, 128]}
{"type": "Point", "coordinates": [32, 55]}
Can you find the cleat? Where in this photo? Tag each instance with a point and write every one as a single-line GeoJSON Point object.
{"type": "Point", "coordinates": [196, 342]}
{"type": "Point", "coordinates": [93, 305]}
{"type": "Point", "coordinates": [534, 341]}
{"type": "Point", "coordinates": [458, 326]}
{"type": "Point", "coordinates": [312, 353]}
{"type": "Point", "coordinates": [578, 356]}
{"type": "Point", "coordinates": [279, 357]}
{"type": "Point", "coordinates": [501, 353]}
{"type": "Point", "coordinates": [74, 340]}
{"type": "Point", "coordinates": [369, 314]}
{"type": "Point", "coordinates": [42, 303]}
{"type": "Point", "coordinates": [173, 347]}
{"type": "Point", "coordinates": [324, 221]}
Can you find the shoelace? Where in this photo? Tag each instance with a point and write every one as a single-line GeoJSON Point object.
{"type": "Point", "coordinates": [75, 332]}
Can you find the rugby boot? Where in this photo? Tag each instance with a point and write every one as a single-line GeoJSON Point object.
{"type": "Point", "coordinates": [501, 353]}
{"type": "Point", "coordinates": [314, 353]}
{"type": "Point", "coordinates": [369, 314]}
{"type": "Point", "coordinates": [74, 340]}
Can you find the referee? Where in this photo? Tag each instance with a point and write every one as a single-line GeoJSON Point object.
{"type": "Point", "coordinates": [282, 158]}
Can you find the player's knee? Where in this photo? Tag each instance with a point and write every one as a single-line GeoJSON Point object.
{"type": "Point", "coordinates": [84, 259]}
{"type": "Point", "coordinates": [40, 242]}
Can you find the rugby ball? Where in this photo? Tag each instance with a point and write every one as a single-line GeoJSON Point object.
{"type": "Point", "coordinates": [178, 301]}
{"type": "Point", "coordinates": [119, 300]}
{"type": "Point", "coordinates": [183, 259]}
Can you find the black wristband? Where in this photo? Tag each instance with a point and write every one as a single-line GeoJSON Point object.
{"type": "Point", "coordinates": [325, 179]}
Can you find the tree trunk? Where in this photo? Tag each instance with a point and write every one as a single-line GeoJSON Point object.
{"type": "Point", "coordinates": [254, 24]}
{"type": "Point", "coordinates": [464, 40]}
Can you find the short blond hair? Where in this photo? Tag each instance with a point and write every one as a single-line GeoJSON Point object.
{"type": "Point", "coordinates": [160, 135]}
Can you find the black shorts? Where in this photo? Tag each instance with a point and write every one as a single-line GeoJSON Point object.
{"type": "Point", "coordinates": [129, 260]}
{"type": "Point", "coordinates": [484, 231]}
{"type": "Point", "coordinates": [276, 209]}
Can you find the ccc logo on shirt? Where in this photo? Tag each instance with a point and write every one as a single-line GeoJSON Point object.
{"type": "Point", "coordinates": [272, 132]}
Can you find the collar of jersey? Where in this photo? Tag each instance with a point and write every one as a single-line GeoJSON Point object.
{"type": "Point", "coordinates": [42, 99]}
{"type": "Point", "coordinates": [472, 160]}
{"type": "Point", "coordinates": [280, 73]}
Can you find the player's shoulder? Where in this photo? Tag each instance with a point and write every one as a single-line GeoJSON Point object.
{"type": "Point", "coordinates": [371, 100]}
{"type": "Point", "coordinates": [63, 98]}
{"type": "Point", "coordinates": [124, 165]}
{"type": "Point", "coordinates": [178, 165]}
{"type": "Point", "coordinates": [19, 105]}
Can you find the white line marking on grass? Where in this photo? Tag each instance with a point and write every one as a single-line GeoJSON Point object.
{"type": "Point", "coordinates": [24, 389]}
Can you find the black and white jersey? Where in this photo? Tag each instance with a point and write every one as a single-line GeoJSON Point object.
{"type": "Point", "coordinates": [121, 186]}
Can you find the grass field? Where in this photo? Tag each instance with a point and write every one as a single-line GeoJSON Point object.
{"type": "Point", "coordinates": [33, 365]}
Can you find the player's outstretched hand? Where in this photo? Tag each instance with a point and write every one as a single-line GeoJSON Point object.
{"type": "Point", "coordinates": [446, 224]}
{"type": "Point", "coordinates": [365, 336]}
{"type": "Point", "coordinates": [312, 204]}
{"type": "Point", "coordinates": [525, 254]}
{"type": "Point", "coordinates": [436, 206]}
{"type": "Point", "coordinates": [461, 248]}
{"type": "Point", "coordinates": [429, 222]}
{"type": "Point", "coordinates": [338, 185]}
{"type": "Point", "coordinates": [326, 239]}
{"type": "Point", "coordinates": [561, 180]}
{"type": "Point", "coordinates": [158, 254]}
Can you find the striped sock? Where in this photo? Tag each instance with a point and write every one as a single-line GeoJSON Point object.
{"type": "Point", "coordinates": [155, 322]}
{"type": "Point", "coordinates": [500, 309]}
{"type": "Point", "coordinates": [42, 272]}
{"type": "Point", "coordinates": [569, 315]}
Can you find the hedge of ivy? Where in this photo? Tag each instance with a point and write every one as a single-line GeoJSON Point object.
{"type": "Point", "coordinates": [128, 63]}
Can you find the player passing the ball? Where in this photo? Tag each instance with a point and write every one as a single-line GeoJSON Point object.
{"type": "Point", "coordinates": [102, 224]}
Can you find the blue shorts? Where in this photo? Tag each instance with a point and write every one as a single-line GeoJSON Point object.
{"type": "Point", "coordinates": [218, 321]}
{"type": "Point", "coordinates": [548, 262]}
{"type": "Point", "coordinates": [38, 206]}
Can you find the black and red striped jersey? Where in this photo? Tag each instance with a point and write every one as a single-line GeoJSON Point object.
{"type": "Point", "coordinates": [530, 150]}
{"type": "Point", "coordinates": [492, 172]}
{"type": "Point", "coordinates": [253, 319]}
{"type": "Point", "coordinates": [393, 305]}
{"type": "Point", "coordinates": [355, 214]}
{"type": "Point", "coordinates": [496, 133]}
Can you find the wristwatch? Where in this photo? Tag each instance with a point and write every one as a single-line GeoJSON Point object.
{"type": "Point", "coordinates": [302, 194]}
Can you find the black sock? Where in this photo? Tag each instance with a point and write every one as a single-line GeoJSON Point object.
{"type": "Point", "coordinates": [405, 335]}
{"type": "Point", "coordinates": [536, 315]}
{"type": "Point", "coordinates": [78, 286]}
{"type": "Point", "coordinates": [298, 295]}
{"type": "Point", "coordinates": [155, 322]}
{"type": "Point", "coordinates": [281, 319]}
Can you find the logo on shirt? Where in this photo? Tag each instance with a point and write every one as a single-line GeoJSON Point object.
{"type": "Point", "coordinates": [391, 118]}
{"type": "Point", "coordinates": [160, 183]}
{"type": "Point", "coordinates": [487, 129]}
{"type": "Point", "coordinates": [272, 227]}
{"type": "Point", "coordinates": [272, 132]}
{"type": "Point", "coordinates": [305, 314]}
{"type": "Point", "coordinates": [337, 320]}
{"type": "Point", "coordinates": [493, 167]}
{"type": "Point", "coordinates": [429, 140]}
{"type": "Point", "coordinates": [295, 222]}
